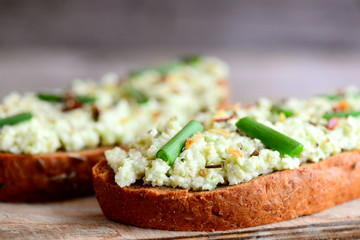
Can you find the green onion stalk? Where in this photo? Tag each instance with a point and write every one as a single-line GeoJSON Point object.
{"type": "Point", "coordinates": [171, 150]}
{"type": "Point", "coordinates": [270, 137]}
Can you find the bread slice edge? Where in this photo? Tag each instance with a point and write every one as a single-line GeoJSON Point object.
{"type": "Point", "coordinates": [270, 198]}
{"type": "Point", "coordinates": [47, 177]}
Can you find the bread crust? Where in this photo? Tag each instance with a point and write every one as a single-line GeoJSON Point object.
{"type": "Point", "coordinates": [47, 177]}
{"type": "Point", "coordinates": [270, 198]}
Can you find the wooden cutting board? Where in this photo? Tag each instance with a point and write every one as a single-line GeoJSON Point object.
{"type": "Point", "coordinates": [82, 219]}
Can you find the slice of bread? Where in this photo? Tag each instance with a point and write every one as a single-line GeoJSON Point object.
{"type": "Point", "coordinates": [54, 176]}
{"type": "Point", "coordinates": [270, 198]}
{"type": "Point", "coordinates": [47, 177]}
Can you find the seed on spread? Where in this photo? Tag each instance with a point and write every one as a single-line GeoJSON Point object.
{"type": "Point", "coordinates": [332, 123]}
{"type": "Point", "coordinates": [236, 107]}
{"type": "Point", "coordinates": [235, 152]}
{"type": "Point", "coordinates": [219, 131]}
{"type": "Point", "coordinates": [220, 113]}
{"type": "Point", "coordinates": [188, 143]}
{"type": "Point", "coordinates": [282, 117]}
{"type": "Point", "coordinates": [125, 120]}
{"type": "Point", "coordinates": [202, 172]}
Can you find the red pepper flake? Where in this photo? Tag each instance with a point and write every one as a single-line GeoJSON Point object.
{"type": "Point", "coordinates": [255, 153]}
{"type": "Point", "coordinates": [233, 115]}
{"type": "Point", "coordinates": [332, 123]}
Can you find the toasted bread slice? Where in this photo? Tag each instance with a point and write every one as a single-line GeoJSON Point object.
{"type": "Point", "coordinates": [47, 177]}
{"type": "Point", "coordinates": [51, 177]}
{"type": "Point", "coordinates": [270, 198]}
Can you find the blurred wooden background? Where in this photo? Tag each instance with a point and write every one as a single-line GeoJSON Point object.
{"type": "Point", "coordinates": [275, 48]}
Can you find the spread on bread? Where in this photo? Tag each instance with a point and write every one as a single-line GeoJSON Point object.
{"type": "Point", "coordinates": [112, 112]}
{"type": "Point", "coordinates": [318, 127]}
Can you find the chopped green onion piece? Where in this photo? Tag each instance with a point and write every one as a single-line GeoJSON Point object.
{"type": "Point", "coordinates": [50, 97]}
{"type": "Point", "coordinates": [191, 59]}
{"type": "Point", "coordinates": [269, 137]}
{"type": "Point", "coordinates": [137, 73]}
{"type": "Point", "coordinates": [59, 98]}
{"type": "Point", "coordinates": [279, 109]}
{"type": "Point", "coordinates": [15, 119]}
{"type": "Point", "coordinates": [162, 70]}
{"type": "Point", "coordinates": [135, 93]}
{"type": "Point", "coordinates": [287, 113]}
{"type": "Point", "coordinates": [171, 150]}
{"type": "Point", "coordinates": [335, 97]}
{"type": "Point", "coordinates": [85, 99]}
{"type": "Point", "coordinates": [168, 68]}
{"type": "Point", "coordinates": [341, 114]}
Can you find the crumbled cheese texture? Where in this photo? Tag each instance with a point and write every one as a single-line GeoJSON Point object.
{"type": "Point", "coordinates": [240, 158]}
{"type": "Point", "coordinates": [179, 92]}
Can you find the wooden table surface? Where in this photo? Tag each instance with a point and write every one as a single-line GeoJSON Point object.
{"type": "Point", "coordinates": [82, 219]}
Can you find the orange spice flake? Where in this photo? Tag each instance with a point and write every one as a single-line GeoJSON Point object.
{"type": "Point", "coordinates": [342, 105]}
{"type": "Point", "coordinates": [156, 114]}
{"type": "Point", "coordinates": [235, 152]}
{"type": "Point", "coordinates": [189, 142]}
{"type": "Point", "coordinates": [223, 83]}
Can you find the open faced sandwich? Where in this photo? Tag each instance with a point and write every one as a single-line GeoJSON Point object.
{"type": "Point", "coordinates": [49, 141]}
{"type": "Point", "coordinates": [238, 167]}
